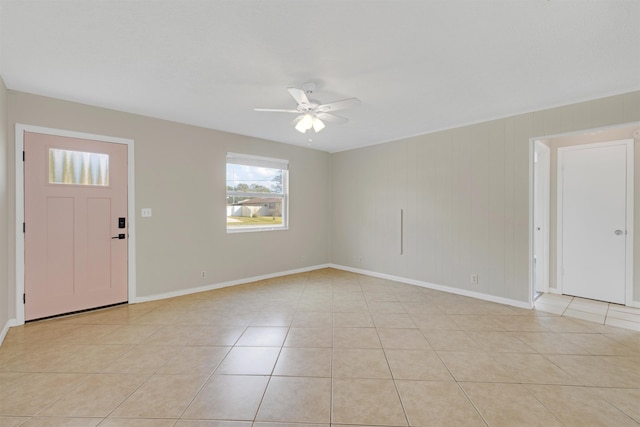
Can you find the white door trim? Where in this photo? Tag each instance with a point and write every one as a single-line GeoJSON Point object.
{"type": "Point", "coordinates": [629, 211]}
{"type": "Point", "coordinates": [542, 201]}
{"type": "Point", "coordinates": [19, 175]}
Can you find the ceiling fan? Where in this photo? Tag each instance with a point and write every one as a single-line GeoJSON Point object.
{"type": "Point", "coordinates": [312, 114]}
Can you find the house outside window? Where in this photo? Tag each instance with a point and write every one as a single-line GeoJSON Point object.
{"type": "Point", "coordinates": [257, 193]}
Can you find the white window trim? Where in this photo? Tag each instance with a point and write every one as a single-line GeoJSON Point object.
{"type": "Point", "coordinates": [259, 161]}
{"type": "Point", "coordinates": [265, 162]}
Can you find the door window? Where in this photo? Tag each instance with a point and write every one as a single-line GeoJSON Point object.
{"type": "Point", "coordinates": [78, 167]}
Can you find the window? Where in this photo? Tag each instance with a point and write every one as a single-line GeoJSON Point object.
{"type": "Point", "coordinates": [257, 190]}
{"type": "Point", "coordinates": [77, 167]}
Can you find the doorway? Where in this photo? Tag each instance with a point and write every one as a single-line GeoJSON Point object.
{"type": "Point", "coordinates": [595, 210]}
{"type": "Point", "coordinates": [74, 206]}
{"type": "Point", "coordinates": [541, 198]}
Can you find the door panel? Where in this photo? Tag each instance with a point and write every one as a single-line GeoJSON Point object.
{"type": "Point", "coordinates": [60, 249]}
{"type": "Point", "coordinates": [75, 190]}
{"type": "Point", "coordinates": [593, 208]}
{"type": "Point", "coordinates": [99, 252]}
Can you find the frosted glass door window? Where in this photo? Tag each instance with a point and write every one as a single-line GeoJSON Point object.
{"type": "Point", "coordinates": [78, 167]}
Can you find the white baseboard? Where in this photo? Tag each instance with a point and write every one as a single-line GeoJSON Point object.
{"type": "Point", "coordinates": [10, 323]}
{"type": "Point", "coordinates": [449, 289]}
{"type": "Point", "coordinates": [213, 286]}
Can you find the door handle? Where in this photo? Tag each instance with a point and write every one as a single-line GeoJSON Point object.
{"type": "Point", "coordinates": [618, 232]}
{"type": "Point", "coordinates": [119, 236]}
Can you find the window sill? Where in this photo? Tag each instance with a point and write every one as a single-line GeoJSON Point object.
{"type": "Point", "coordinates": [254, 229]}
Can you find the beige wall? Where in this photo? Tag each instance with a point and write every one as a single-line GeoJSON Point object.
{"type": "Point", "coordinates": [180, 174]}
{"type": "Point", "coordinates": [603, 135]}
{"type": "Point", "coordinates": [463, 212]}
{"type": "Point", "coordinates": [5, 310]}
{"type": "Point", "coordinates": [465, 193]}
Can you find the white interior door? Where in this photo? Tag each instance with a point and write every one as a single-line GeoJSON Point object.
{"type": "Point", "coordinates": [592, 208]}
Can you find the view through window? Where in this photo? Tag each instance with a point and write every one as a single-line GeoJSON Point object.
{"type": "Point", "coordinates": [256, 193]}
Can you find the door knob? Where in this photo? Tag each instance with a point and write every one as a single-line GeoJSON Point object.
{"type": "Point", "coordinates": [119, 236]}
{"type": "Point", "coordinates": [618, 232]}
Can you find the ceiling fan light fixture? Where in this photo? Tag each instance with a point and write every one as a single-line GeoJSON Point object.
{"type": "Point", "coordinates": [300, 128]}
{"type": "Point", "coordinates": [305, 123]}
{"type": "Point", "coordinates": [317, 124]}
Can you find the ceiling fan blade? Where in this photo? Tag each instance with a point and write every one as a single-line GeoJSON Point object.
{"type": "Point", "coordinates": [338, 105]}
{"type": "Point", "coordinates": [299, 96]}
{"type": "Point", "coordinates": [332, 118]}
{"type": "Point", "coordinates": [276, 110]}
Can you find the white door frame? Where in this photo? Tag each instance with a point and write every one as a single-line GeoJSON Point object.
{"type": "Point", "coordinates": [19, 175]}
{"type": "Point", "coordinates": [629, 143]}
{"type": "Point", "coordinates": [541, 206]}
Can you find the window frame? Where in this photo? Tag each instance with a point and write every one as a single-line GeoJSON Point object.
{"type": "Point", "coordinates": [263, 162]}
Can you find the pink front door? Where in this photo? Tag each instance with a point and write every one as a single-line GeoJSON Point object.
{"type": "Point", "coordinates": [75, 224]}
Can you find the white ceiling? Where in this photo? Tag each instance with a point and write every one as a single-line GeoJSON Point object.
{"type": "Point", "coordinates": [417, 66]}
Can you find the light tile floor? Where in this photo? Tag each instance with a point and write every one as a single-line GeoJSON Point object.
{"type": "Point", "coordinates": [594, 311]}
{"type": "Point", "coordinates": [318, 349]}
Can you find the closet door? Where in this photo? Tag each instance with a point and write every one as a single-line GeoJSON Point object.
{"type": "Point", "coordinates": [388, 215]}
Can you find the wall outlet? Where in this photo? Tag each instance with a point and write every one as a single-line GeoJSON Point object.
{"type": "Point", "coordinates": [474, 279]}
{"type": "Point", "coordinates": [203, 274]}
{"type": "Point", "coordinates": [146, 213]}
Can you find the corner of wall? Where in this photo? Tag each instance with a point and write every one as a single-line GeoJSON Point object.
{"type": "Point", "coordinates": [5, 308]}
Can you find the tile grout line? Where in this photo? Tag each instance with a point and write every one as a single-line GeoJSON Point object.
{"type": "Point", "coordinates": [271, 375]}
{"type": "Point", "coordinates": [475, 407]}
{"type": "Point", "coordinates": [204, 383]}
{"type": "Point", "coordinates": [333, 296]}
{"type": "Point", "coordinates": [395, 385]}
{"type": "Point", "coordinates": [542, 403]}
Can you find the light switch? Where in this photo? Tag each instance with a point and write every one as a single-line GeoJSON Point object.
{"type": "Point", "coordinates": [145, 212]}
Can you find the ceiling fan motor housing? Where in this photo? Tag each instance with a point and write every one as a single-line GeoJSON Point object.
{"type": "Point", "coordinates": [309, 87]}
